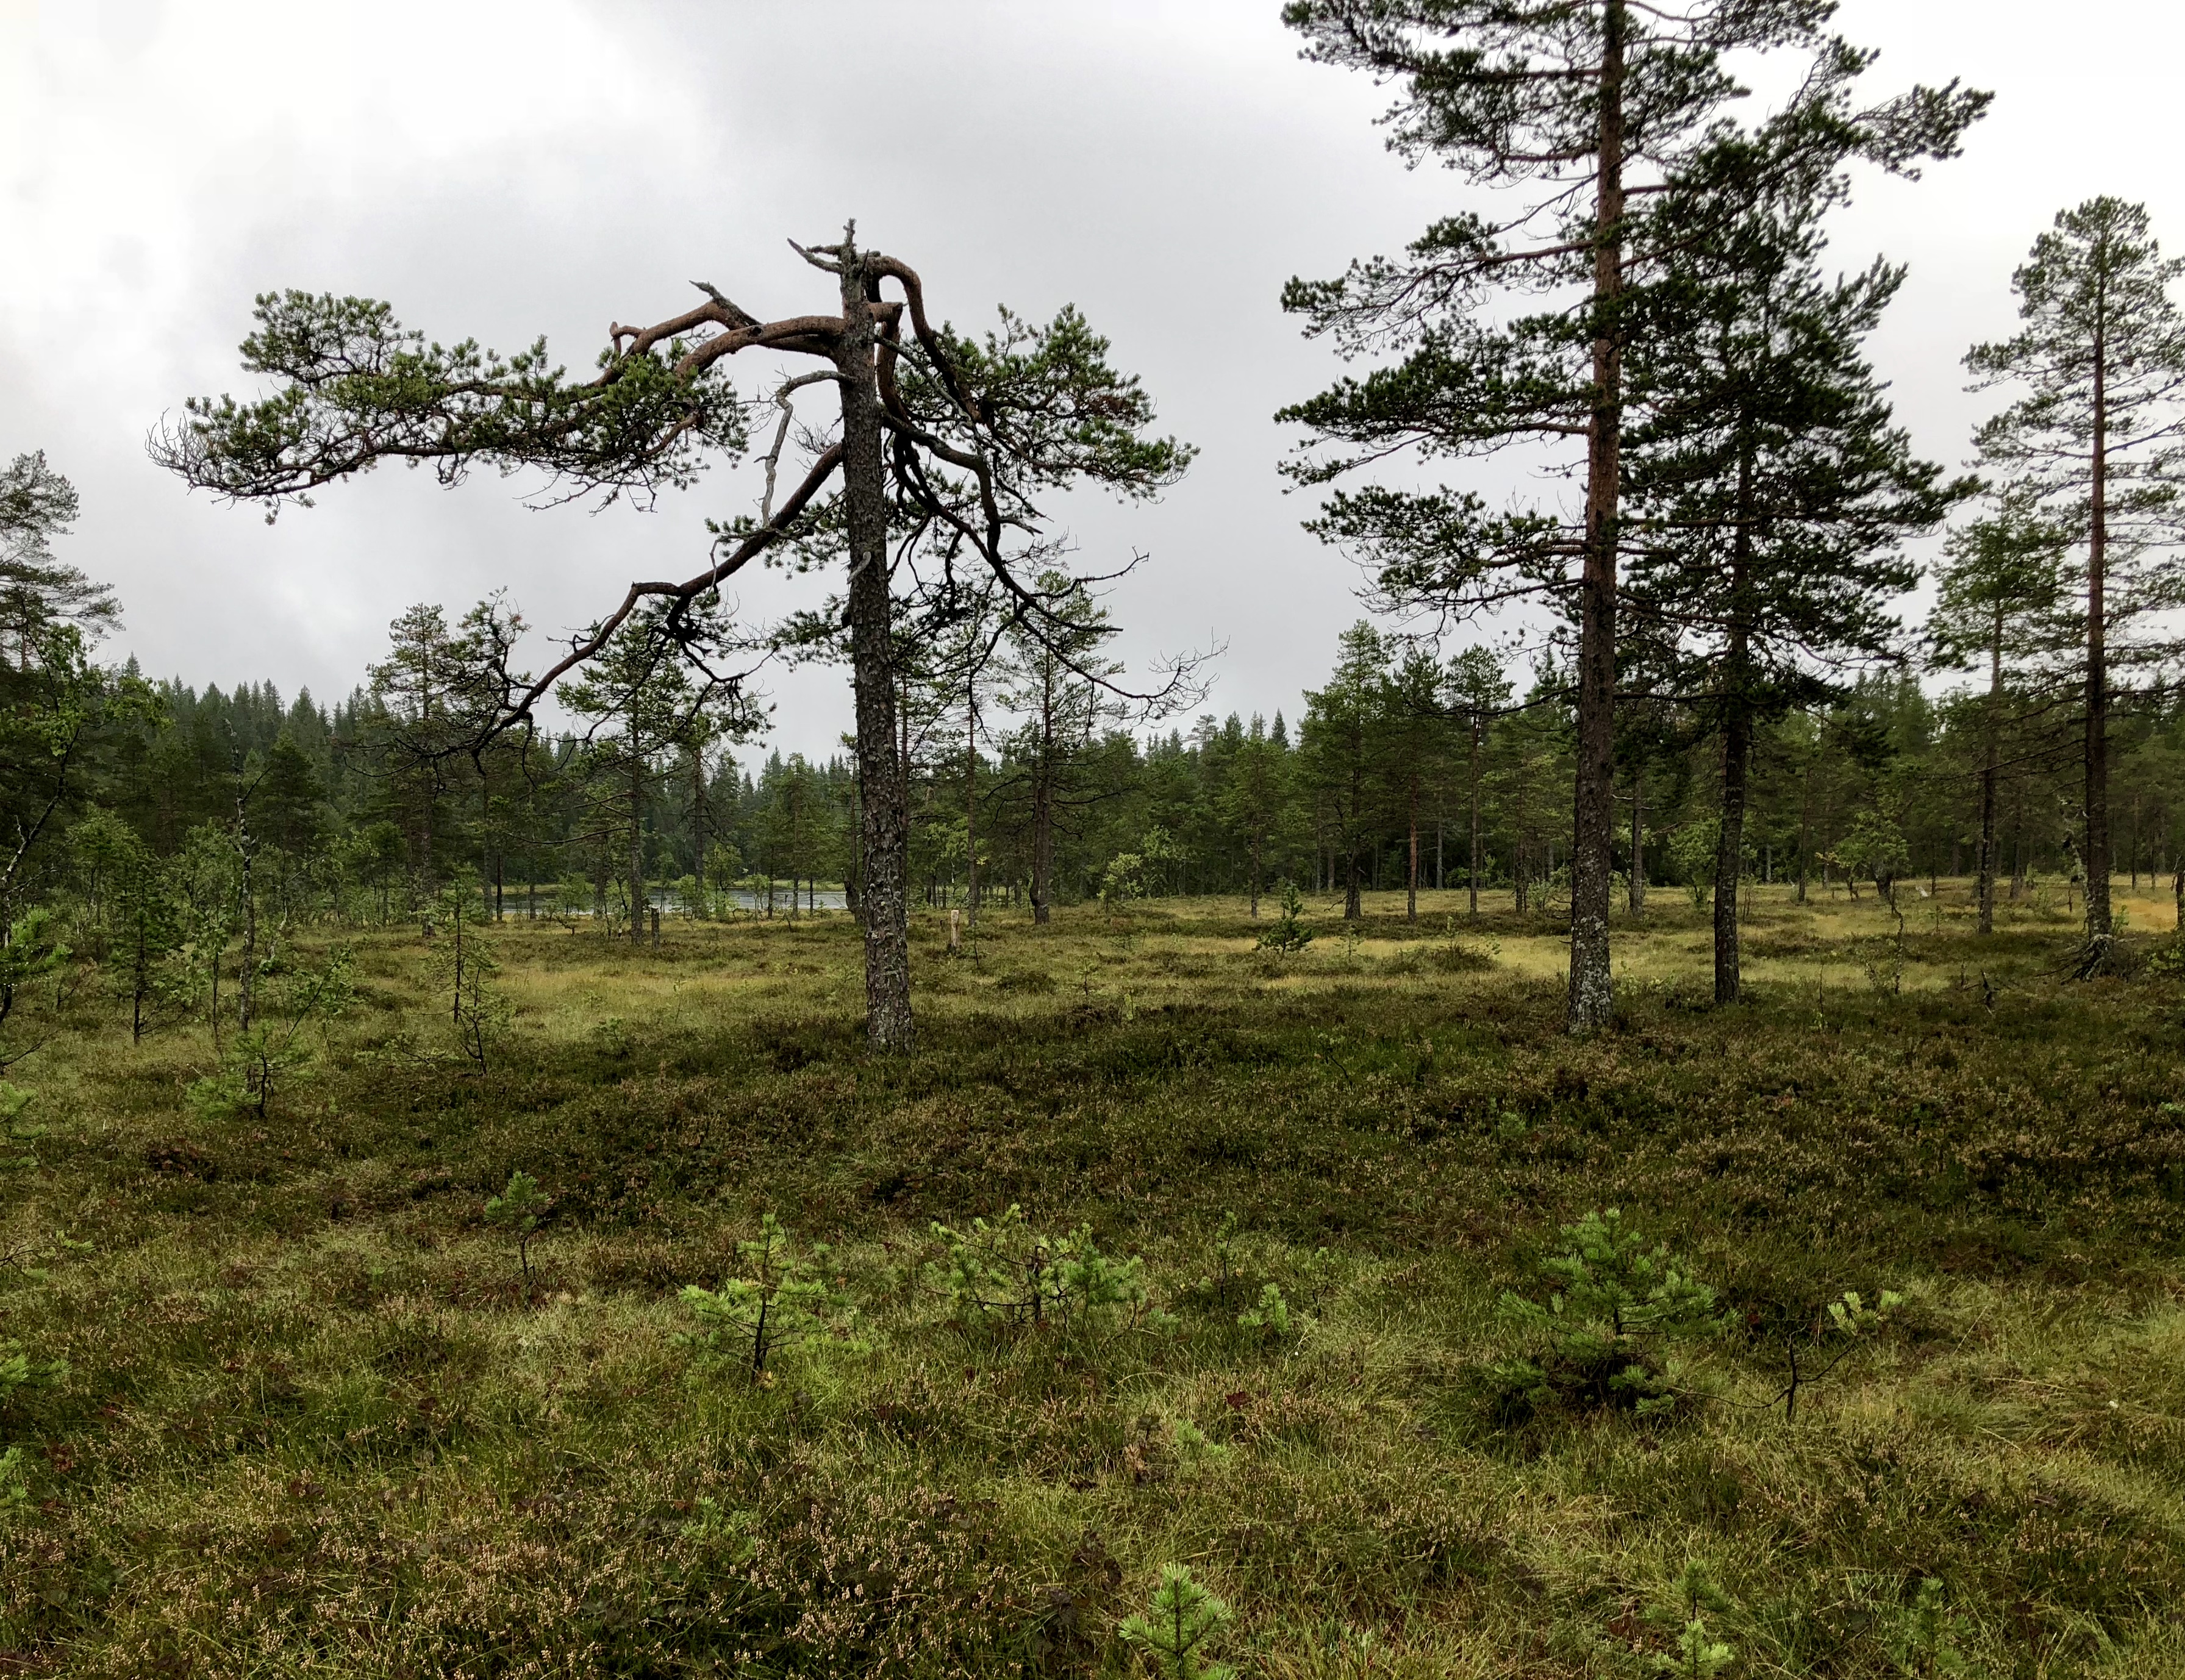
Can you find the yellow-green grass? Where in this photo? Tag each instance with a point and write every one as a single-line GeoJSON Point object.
{"type": "Point", "coordinates": [315, 1420]}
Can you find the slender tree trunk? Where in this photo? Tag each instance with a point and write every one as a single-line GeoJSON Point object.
{"type": "Point", "coordinates": [637, 905]}
{"type": "Point", "coordinates": [1990, 752]}
{"type": "Point", "coordinates": [1637, 886]}
{"type": "Point", "coordinates": [1412, 886]}
{"type": "Point", "coordinates": [880, 769]}
{"type": "Point", "coordinates": [971, 803]}
{"type": "Point", "coordinates": [1472, 860]}
{"type": "Point", "coordinates": [1729, 852]}
{"type": "Point", "coordinates": [246, 975]}
{"type": "Point", "coordinates": [1736, 736]}
{"type": "Point", "coordinates": [2097, 692]}
{"type": "Point", "coordinates": [1594, 810]}
{"type": "Point", "coordinates": [698, 825]}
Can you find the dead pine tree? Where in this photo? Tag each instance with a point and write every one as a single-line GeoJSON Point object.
{"type": "Point", "coordinates": [932, 473]}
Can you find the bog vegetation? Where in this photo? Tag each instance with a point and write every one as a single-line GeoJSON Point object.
{"type": "Point", "coordinates": [1180, 1302]}
{"type": "Point", "coordinates": [1636, 1127]}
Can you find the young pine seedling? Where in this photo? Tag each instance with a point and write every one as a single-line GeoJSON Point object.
{"type": "Point", "coordinates": [1614, 1300]}
{"type": "Point", "coordinates": [519, 1208]}
{"type": "Point", "coordinates": [1289, 935]}
{"type": "Point", "coordinates": [783, 1297]}
{"type": "Point", "coordinates": [1006, 1275]}
{"type": "Point", "coordinates": [1928, 1644]}
{"type": "Point", "coordinates": [1270, 1318]}
{"type": "Point", "coordinates": [1813, 1357]}
{"type": "Point", "coordinates": [1696, 1654]}
{"type": "Point", "coordinates": [1174, 1632]}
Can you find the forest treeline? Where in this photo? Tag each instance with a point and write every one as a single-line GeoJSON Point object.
{"type": "Point", "coordinates": [1706, 648]}
{"type": "Point", "coordinates": [147, 811]}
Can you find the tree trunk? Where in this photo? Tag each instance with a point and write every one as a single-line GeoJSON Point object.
{"type": "Point", "coordinates": [698, 825]}
{"type": "Point", "coordinates": [1412, 886]}
{"type": "Point", "coordinates": [637, 905]}
{"type": "Point", "coordinates": [888, 1023]}
{"type": "Point", "coordinates": [1472, 862]}
{"type": "Point", "coordinates": [1737, 735]}
{"type": "Point", "coordinates": [2097, 692]}
{"type": "Point", "coordinates": [1729, 852]}
{"type": "Point", "coordinates": [246, 973]}
{"type": "Point", "coordinates": [971, 803]}
{"type": "Point", "coordinates": [1594, 811]}
{"type": "Point", "coordinates": [1637, 886]}
{"type": "Point", "coordinates": [1990, 748]}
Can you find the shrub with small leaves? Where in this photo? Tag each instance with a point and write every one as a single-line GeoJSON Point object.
{"type": "Point", "coordinates": [519, 1208]}
{"type": "Point", "coordinates": [1004, 1275]}
{"type": "Point", "coordinates": [1811, 1355]}
{"type": "Point", "coordinates": [1183, 1618]}
{"type": "Point", "coordinates": [1614, 1302]}
{"type": "Point", "coordinates": [17, 1370]}
{"type": "Point", "coordinates": [783, 1297]}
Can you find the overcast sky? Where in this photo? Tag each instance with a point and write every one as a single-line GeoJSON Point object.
{"type": "Point", "coordinates": [502, 170]}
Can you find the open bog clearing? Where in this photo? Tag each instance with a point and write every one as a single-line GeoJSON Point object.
{"type": "Point", "coordinates": [1303, 1296]}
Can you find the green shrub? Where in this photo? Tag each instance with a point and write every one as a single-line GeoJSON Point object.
{"type": "Point", "coordinates": [1183, 1618]}
{"type": "Point", "coordinates": [1927, 1643]}
{"type": "Point", "coordinates": [1696, 1653]}
{"type": "Point", "coordinates": [1270, 1318]}
{"type": "Point", "coordinates": [783, 1297]}
{"type": "Point", "coordinates": [1287, 935]}
{"type": "Point", "coordinates": [1006, 1275]}
{"type": "Point", "coordinates": [1614, 1303]}
{"type": "Point", "coordinates": [519, 1208]}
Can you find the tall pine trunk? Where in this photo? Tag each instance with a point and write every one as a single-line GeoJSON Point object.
{"type": "Point", "coordinates": [1412, 887]}
{"type": "Point", "coordinates": [1471, 862]}
{"type": "Point", "coordinates": [2098, 692]}
{"type": "Point", "coordinates": [1736, 737]}
{"type": "Point", "coordinates": [1594, 810]}
{"type": "Point", "coordinates": [1990, 750]}
{"type": "Point", "coordinates": [637, 905]}
{"type": "Point", "coordinates": [888, 1023]}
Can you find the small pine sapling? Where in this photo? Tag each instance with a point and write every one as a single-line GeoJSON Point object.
{"type": "Point", "coordinates": [783, 1297]}
{"type": "Point", "coordinates": [519, 1208]}
{"type": "Point", "coordinates": [1270, 1319]}
{"type": "Point", "coordinates": [271, 1052]}
{"type": "Point", "coordinates": [1183, 1619]}
{"type": "Point", "coordinates": [1225, 1283]}
{"type": "Point", "coordinates": [463, 969]}
{"type": "Point", "coordinates": [1289, 933]}
{"type": "Point", "coordinates": [1006, 1275]}
{"type": "Point", "coordinates": [1614, 1301]}
{"type": "Point", "coordinates": [1696, 1653]}
{"type": "Point", "coordinates": [1837, 1334]}
{"type": "Point", "coordinates": [1928, 1643]}
{"type": "Point", "coordinates": [15, 1130]}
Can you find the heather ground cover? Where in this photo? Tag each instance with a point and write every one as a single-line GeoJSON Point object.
{"type": "Point", "coordinates": [1281, 1306]}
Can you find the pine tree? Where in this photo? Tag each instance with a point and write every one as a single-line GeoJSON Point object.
{"type": "Point", "coordinates": [1339, 742]}
{"type": "Point", "coordinates": [1586, 108]}
{"type": "Point", "coordinates": [1770, 491]}
{"type": "Point", "coordinates": [1997, 606]}
{"type": "Point", "coordinates": [2095, 443]}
